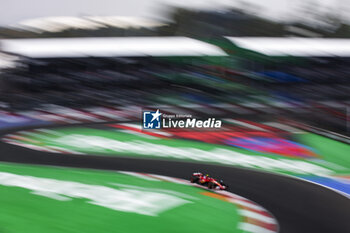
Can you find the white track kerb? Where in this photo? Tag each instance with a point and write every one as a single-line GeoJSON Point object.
{"type": "Point", "coordinates": [254, 218]}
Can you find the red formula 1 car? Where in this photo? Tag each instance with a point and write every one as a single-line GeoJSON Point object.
{"type": "Point", "coordinates": [208, 181]}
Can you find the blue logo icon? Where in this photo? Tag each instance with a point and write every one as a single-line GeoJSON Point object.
{"type": "Point", "coordinates": [151, 120]}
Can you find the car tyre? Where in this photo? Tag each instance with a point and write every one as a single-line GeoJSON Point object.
{"type": "Point", "coordinates": [194, 179]}
{"type": "Point", "coordinates": [211, 185]}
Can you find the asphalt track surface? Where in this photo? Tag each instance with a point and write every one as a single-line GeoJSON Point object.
{"type": "Point", "coordinates": [299, 206]}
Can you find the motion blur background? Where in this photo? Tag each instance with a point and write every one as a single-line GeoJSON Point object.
{"type": "Point", "coordinates": [75, 76]}
{"type": "Point", "coordinates": [279, 60]}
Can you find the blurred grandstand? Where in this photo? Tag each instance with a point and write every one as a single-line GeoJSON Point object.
{"type": "Point", "coordinates": [224, 74]}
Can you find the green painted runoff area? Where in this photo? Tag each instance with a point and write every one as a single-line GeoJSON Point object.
{"type": "Point", "coordinates": [333, 157]}
{"type": "Point", "coordinates": [50, 202]}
